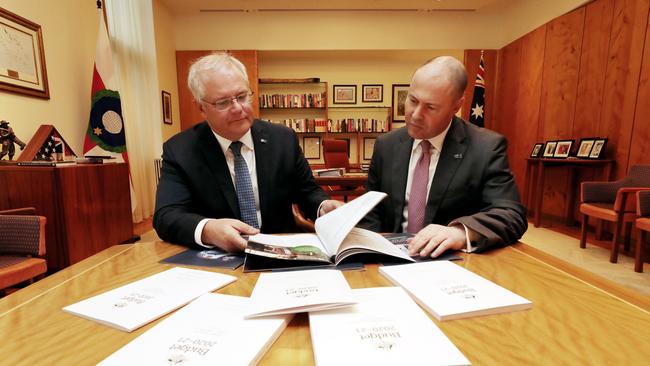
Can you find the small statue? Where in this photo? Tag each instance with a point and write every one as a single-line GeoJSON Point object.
{"type": "Point", "coordinates": [8, 139]}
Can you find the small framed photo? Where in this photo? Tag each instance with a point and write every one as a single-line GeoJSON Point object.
{"type": "Point", "coordinates": [312, 147]}
{"type": "Point", "coordinates": [549, 149]}
{"type": "Point", "coordinates": [400, 92]}
{"type": "Point", "coordinates": [345, 94]}
{"type": "Point", "coordinates": [372, 93]}
{"type": "Point", "coordinates": [563, 149]}
{"type": "Point", "coordinates": [368, 147]}
{"type": "Point", "coordinates": [167, 107]}
{"type": "Point", "coordinates": [537, 149]}
{"type": "Point", "coordinates": [585, 147]}
{"type": "Point", "coordinates": [598, 150]}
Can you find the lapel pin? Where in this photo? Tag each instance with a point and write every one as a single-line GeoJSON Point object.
{"type": "Point", "coordinates": [263, 141]}
{"type": "Point", "coordinates": [458, 156]}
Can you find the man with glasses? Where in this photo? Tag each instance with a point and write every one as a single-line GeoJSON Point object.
{"type": "Point", "coordinates": [231, 175]}
{"type": "Point", "coordinates": [448, 181]}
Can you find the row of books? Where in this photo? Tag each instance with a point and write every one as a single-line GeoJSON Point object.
{"type": "Point", "coordinates": [312, 100]}
{"type": "Point", "coordinates": [334, 125]}
{"type": "Point", "coordinates": [304, 124]}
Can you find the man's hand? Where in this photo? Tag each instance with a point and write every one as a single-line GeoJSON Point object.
{"type": "Point", "coordinates": [227, 234]}
{"type": "Point", "coordinates": [434, 239]}
{"type": "Point", "coordinates": [329, 205]}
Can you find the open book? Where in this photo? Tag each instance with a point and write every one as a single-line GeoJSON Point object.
{"type": "Point", "coordinates": [336, 238]}
{"type": "Point", "coordinates": [211, 330]}
{"type": "Point", "coordinates": [385, 327]}
{"type": "Point", "coordinates": [449, 291]}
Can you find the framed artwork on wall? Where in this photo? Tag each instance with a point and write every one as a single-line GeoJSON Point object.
{"type": "Point", "coordinates": [312, 147]}
{"type": "Point", "coordinates": [549, 149]}
{"type": "Point", "coordinates": [537, 149]}
{"type": "Point", "coordinates": [598, 151]}
{"type": "Point", "coordinates": [167, 107]}
{"type": "Point", "coordinates": [345, 94]}
{"type": "Point", "coordinates": [563, 149]}
{"type": "Point", "coordinates": [22, 65]}
{"type": "Point", "coordinates": [585, 147]}
{"type": "Point", "coordinates": [400, 91]}
{"type": "Point", "coordinates": [372, 93]}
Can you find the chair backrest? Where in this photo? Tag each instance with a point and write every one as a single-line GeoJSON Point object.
{"type": "Point", "coordinates": [22, 235]}
{"type": "Point", "coordinates": [643, 203]}
{"type": "Point", "coordinates": [335, 153]}
{"type": "Point", "coordinates": [638, 176]}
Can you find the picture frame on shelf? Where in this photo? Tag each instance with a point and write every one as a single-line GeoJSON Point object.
{"type": "Point", "coordinates": [311, 145]}
{"type": "Point", "coordinates": [400, 91]}
{"type": "Point", "coordinates": [372, 93]}
{"type": "Point", "coordinates": [167, 107]}
{"type": "Point", "coordinates": [563, 149]}
{"type": "Point", "coordinates": [344, 94]}
{"type": "Point", "coordinates": [368, 147]}
{"type": "Point", "coordinates": [584, 149]}
{"type": "Point", "coordinates": [23, 44]}
{"type": "Point", "coordinates": [537, 150]}
{"type": "Point", "coordinates": [549, 149]}
{"type": "Point", "coordinates": [598, 150]}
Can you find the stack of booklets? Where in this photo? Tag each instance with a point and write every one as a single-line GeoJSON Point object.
{"type": "Point", "coordinates": [385, 327]}
{"type": "Point", "coordinates": [209, 331]}
{"type": "Point", "coordinates": [449, 291]}
{"type": "Point", "coordinates": [329, 172]}
{"type": "Point", "coordinates": [299, 291]}
{"type": "Point", "coordinates": [131, 306]}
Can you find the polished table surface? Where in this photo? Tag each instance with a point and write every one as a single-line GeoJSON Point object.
{"type": "Point", "coordinates": [350, 184]}
{"type": "Point", "coordinates": [572, 322]}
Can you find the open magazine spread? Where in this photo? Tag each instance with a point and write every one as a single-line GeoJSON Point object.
{"type": "Point", "coordinates": [336, 237]}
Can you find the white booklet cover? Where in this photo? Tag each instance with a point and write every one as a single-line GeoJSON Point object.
{"type": "Point", "coordinates": [131, 306]}
{"type": "Point", "coordinates": [299, 291]}
{"type": "Point", "coordinates": [211, 330]}
{"type": "Point", "coordinates": [385, 327]}
{"type": "Point", "coordinates": [449, 291]}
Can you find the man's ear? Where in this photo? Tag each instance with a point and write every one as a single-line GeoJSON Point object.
{"type": "Point", "coordinates": [201, 108]}
{"type": "Point", "coordinates": [459, 103]}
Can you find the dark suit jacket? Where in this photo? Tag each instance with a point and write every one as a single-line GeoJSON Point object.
{"type": "Point", "coordinates": [473, 185]}
{"type": "Point", "coordinates": [195, 182]}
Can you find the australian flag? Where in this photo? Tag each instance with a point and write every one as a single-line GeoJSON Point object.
{"type": "Point", "coordinates": [477, 110]}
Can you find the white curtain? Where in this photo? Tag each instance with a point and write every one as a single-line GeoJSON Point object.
{"type": "Point", "coordinates": [131, 29]}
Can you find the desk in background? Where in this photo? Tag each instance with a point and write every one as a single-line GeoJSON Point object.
{"type": "Point", "coordinates": [571, 322]}
{"type": "Point", "coordinates": [534, 186]}
{"type": "Point", "coordinates": [350, 184]}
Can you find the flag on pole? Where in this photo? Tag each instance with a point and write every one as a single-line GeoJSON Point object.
{"type": "Point", "coordinates": [477, 114]}
{"type": "Point", "coordinates": [105, 135]}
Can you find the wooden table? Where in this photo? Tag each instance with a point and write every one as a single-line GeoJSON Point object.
{"type": "Point", "coordinates": [350, 184]}
{"type": "Point", "coordinates": [571, 322]}
{"type": "Point", "coordinates": [534, 186]}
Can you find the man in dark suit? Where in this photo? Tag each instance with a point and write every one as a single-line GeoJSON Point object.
{"type": "Point", "coordinates": [231, 175]}
{"type": "Point", "coordinates": [448, 181]}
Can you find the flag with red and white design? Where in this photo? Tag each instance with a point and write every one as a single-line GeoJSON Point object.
{"type": "Point", "coordinates": [477, 109]}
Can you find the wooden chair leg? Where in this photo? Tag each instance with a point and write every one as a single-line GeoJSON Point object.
{"type": "Point", "coordinates": [599, 229]}
{"type": "Point", "coordinates": [583, 231]}
{"type": "Point", "coordinates": [617, 233]}
{"type": "Point", "coordinates": [628, 237]}
{"type": "Point", "coordinates": [638, 257]}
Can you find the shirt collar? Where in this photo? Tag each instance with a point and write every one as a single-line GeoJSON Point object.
{"type": "Point", "coordinates": [246, 140]}
{"type": "Point", "coordinates": [436, 141]}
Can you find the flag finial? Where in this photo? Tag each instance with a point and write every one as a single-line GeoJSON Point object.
{"type": "Point", "coordinates": [99, 4]}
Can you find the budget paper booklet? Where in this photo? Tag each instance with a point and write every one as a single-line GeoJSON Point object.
{"type": "Point", "coordinates": [211, 330]}
{"type": "Point", "coordinates": [385, 327]}
{"type": "Point", "coordinates": [133, 305]}
{"type": "Point", "coordinates": [299, 291]}
{"type": "Point", "coordinates": [336, 238]}
{"type": "Point", "coordinates": [449, 291]}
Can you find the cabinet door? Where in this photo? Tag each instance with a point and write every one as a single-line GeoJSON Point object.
{"type": "Point", "coordinates": [190, 114]}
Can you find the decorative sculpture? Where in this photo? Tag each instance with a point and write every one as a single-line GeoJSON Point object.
{"type": "Point", "coordinates": [8, 138]}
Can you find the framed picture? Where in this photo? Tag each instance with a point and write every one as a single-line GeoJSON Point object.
{"type": "Point", "coordinates": [549, 149]}
{"type": "Point", "coordinates": [372, 93]}
{"type": "Point", "coordinates": [345, 94]}
{"type": "Point", "coordinates": [400, 91]}
{"type": "Point", "coordinates": [167, 107]}
{"type": "Point", "coordinates": [585, 147]}
{"type": "Point", "coordinates": [312, 147]}
{"type": "Point", "coordinates": [537, 149]}
{"type": "Point", "coordinates": [22, 65]}
{"type": "Point", "coordinates": [598, 150]}
{"type": "Point", "coordinates": [368, 147]}
{"type": "Point", "coordinates": [563, 149]}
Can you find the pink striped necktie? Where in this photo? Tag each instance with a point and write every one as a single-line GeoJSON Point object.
{"type": "Point", "coordinates": [418, 195]}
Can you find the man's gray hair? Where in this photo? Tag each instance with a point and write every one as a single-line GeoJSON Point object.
{"type": "Point", "coordinates": [202, 67]}
{"type": "Point", "coordinates": [455, 71]}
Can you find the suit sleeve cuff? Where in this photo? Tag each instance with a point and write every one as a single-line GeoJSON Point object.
{"type": "Point", "coordinates": [470, 236]}
{"type": "Point", "coordinates": [198, 231]}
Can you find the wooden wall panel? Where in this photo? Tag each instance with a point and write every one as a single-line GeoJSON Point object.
{"type": "Point", "coordinates": [508, 73]}
{"type": "Point", "coordinates": [622, 78]}
{"type": "Point", "coordinates": [189, 112]}
{"type": "Point", "coordinates": [640, 145]}
{"type": "Point", "coordinates": [472, 59]}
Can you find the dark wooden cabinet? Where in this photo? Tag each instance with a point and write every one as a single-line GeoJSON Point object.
{"type": "Point", "coordinates": [88, 207]}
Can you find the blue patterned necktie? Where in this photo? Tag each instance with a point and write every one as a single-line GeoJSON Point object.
{"type": "Point", "coordinates": [244, 187]}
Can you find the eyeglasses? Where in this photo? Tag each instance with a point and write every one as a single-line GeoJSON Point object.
{"type": "Point", "coordinates": [227, 103]}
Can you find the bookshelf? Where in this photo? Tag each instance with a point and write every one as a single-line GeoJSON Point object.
{"type": "Point", "coordinates": [300, 104]}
